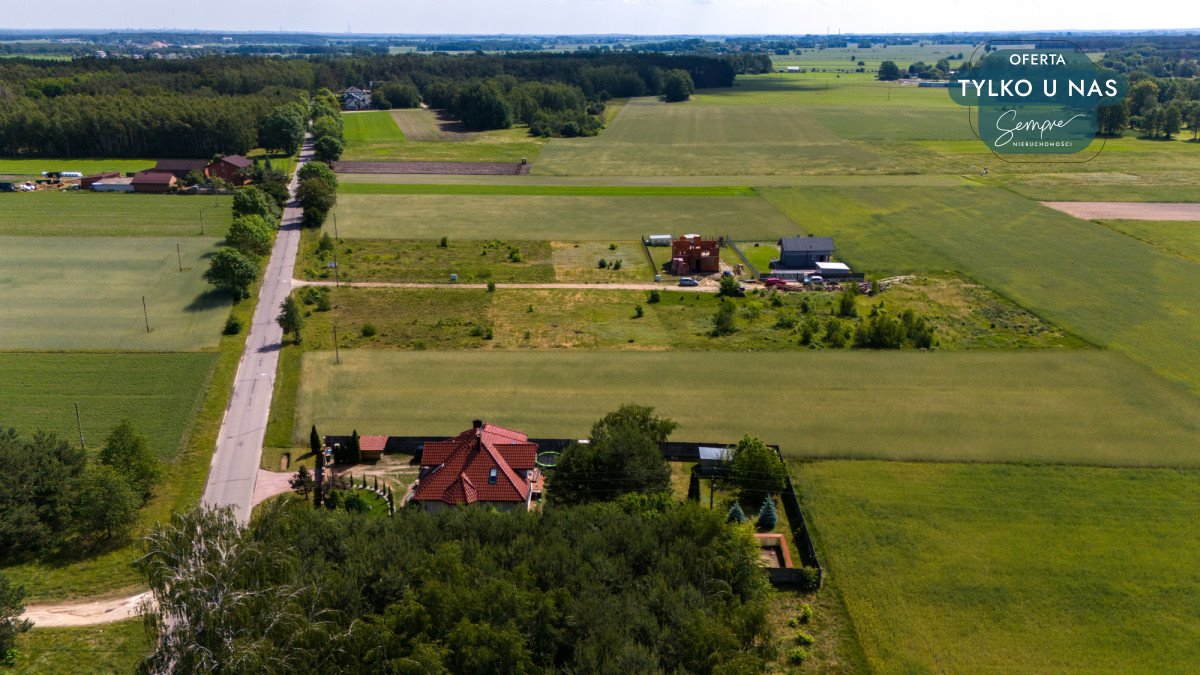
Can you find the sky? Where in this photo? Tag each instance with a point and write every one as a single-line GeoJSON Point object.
{"type": "Point", "coordinates": [639, 17]}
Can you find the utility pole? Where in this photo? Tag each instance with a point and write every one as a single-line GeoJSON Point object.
{"type": "Point", "coordinates": [335, 230]}
{"type": "Point", "coordinates": [79, 425]}
{"type": "Point", "coordinates": [337, 273]}
{"type": "Point", "coordinates": [179, 256]}
{"type": "Point", "coordinates": [202, 222]}
{"type": "Point", "coordinates": [337, 357]}
{"type": "Point", "coordinates": [145, 314]}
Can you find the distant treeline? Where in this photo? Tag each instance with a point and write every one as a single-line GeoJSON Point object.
{"type": "Point", "coordinates": [198, 107]}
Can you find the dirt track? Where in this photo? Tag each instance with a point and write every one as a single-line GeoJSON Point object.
{"type": "Point", "coordinates": [703, 288]}
{"type": "Point", "coordinates": [1128, 210]}
{"type": "Point", "coordinates": [68, 614]}
{"type": "Point", "coordinates": [445, 168]}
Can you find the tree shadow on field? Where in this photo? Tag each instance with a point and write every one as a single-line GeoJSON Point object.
{"type": "Point", "coordinates": [210, 299]}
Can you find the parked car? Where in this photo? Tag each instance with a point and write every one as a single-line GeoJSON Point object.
{"type": "Point", "coordinates": [815, 279]}
{"type": "Point", "coordinates": [688, 281]}
{"type": "Point", "coordinates": [772, 282]}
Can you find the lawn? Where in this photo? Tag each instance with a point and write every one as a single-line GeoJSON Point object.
{"type": "Point", "coordinates": [1086, 406]}
{"type": "Point", "coordinates": [540, 217]}
{"type": "Point", "coordinates": [985, 568]}
{"type": "Point", "coordinates": [374, 136]}
{"type": "Point", "coordinates": [86, 293]}
{"type": "Point", "coordinates": [1058, 267]}
{"type": "Point", "coordinates": [105, 648]}
{"type": "Point", "coordinates": [80, 214]}
{"type": "Point", "coordinates": [156, 391]}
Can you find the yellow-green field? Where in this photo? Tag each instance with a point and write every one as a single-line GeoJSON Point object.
{"type": "Point", "coordinates": [374, 136]}
{"type": "Point", "coordinates": [1087, 407]}
{"type": "Point", "coordinates": [432, 216]}
{"type": "Point", "coordinates": [86, 293]}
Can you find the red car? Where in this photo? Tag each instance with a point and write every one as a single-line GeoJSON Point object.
{"type": "Point", "coordinates": [774, 283]}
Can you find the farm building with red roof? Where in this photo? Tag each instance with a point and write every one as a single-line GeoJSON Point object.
{"type": "Point", "coordinates": [486, 464]}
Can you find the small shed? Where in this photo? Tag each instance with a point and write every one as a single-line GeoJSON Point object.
{"type": "Point", "coordinates": [86, 182]}
{"type": "Point", "coordinates": [153, 181]}
{"type": "Point", "coordinates": [370, 448]}
{"type": "Point", "coordinates": [113, 185]}
{"type": "Point", "coordinates": [660, 240]}
{"type": "Point", "coordinates": [833, 270]}
{"type": "Point", "coordinates": [803, 253]}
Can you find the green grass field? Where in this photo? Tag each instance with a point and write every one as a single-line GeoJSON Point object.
{"type": "Point", "coordinates": [91, 214]}
{"type": "Point", "coordinates": [33, 168]}
{"type": "Point", "coordinates": [104, 648]}
{"type": "Point", "coordinates": [1179, 238]}
{"type": "Point", "coordinates": [374, 136]}
{"type": "Point", "coordinates": [545, 190]}
{"type": "Point", "coordinates": [432, 216]}
{"type": "Point", "coordinates": [1059, 267]}
{"type": "Point", "coordinates": [1073, 407]}
{"type": "Point", "coordinates": [86, 293]}
{"type": "Point", "coordinates": [984, 568]}
{"type": "Point", "coordinates": [156, 391]}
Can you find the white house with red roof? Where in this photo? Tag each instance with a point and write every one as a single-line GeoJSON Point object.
{"type": "Point", "coordinates": [486, 464]}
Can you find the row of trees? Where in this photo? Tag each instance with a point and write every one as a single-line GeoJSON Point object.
{"type": "Point", "coordinates": [329, 141]}
{"type": "Point", "coordinates": [199, 107]}
{"type": "Point", "coordinates": [57, 500]}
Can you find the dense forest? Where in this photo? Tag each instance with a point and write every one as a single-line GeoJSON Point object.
{"type": "Point", "coordinates": [199, 107]}
{"type": "Point", "coordinates": [643, 584]}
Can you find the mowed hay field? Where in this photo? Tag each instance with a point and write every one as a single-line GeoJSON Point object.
{"type": "Point", "coordinates": [86, 293]}
{"type": "Point", "coordinates": [1182, 239]}
{"type": "Point", "coordinates": [158, 392]}
{"type": "Point", "coordinates": [432, 216]}
{"type": "Point", "coordinates": [78, 214]}
{"type": "Point", "coordinates": [33, 168]}
{"type": "Point", "coordinates": [1086, 407]}
{"type": "Point", "coordinates": [1105, 286]}
{"type": "Point", "coordinates": [375, 136]}
{"type": "Point", "coordinates": [986, 568]}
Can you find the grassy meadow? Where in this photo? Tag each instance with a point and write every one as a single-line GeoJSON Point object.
{"type": "Point", "coordinates": [987, 568]}
{"type": "Point", "coordinates": [1088, 407]}
{"type": "Point", "coordinates": [963, 316]}
{"type": "Point", "coordinates": [105, 648]}
{"type": "Point", "coordinates": [1178, 238]}
{"type": "Point", "coordinates": [86, 293]}
{"type": "Point", "coordinates": [1109, 288]}
{"type": "Point", "coordinates": [94, 214]}
{"type": "Point", "coordinates": [541, 217]}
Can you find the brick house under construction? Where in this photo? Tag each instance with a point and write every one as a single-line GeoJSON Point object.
{"type": "Point", "coordinates": [692, 254]}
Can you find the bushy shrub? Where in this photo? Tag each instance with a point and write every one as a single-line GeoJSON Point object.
{"type": "Point", "coordinates": [491, 287]}
{"type": "Point", "coordinates": [797, 656]}
{"type": "Point", "coordinates": [602, 264]}
{"type": "Point", "coordinates": [810, 579]}
{"type": "Point", "coordinates": [654, 297]}
{"type": "Point", "coordinates": [617, 264]}
{"type": "Point", "coordinates": [806, 613]}
{"type": "Point", "coordinates": [804, 639]}
{"type": "Point", "coordinates": [368, 330]}
{"type": "Point", "coordinates": [638, 312]}
{"type": "Point", "coordinates": [233, 326]}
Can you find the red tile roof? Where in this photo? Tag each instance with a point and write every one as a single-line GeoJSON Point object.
{"type": "Point", "coordinates": [462, 466]}
{"type": "Point", "coordinates": [372, 443]}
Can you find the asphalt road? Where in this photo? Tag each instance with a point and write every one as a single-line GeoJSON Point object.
{"type": "Point", "coordinates": [235, 463]}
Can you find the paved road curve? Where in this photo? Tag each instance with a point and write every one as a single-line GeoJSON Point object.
{"type": "Point", "coordinates": [234, 467]}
